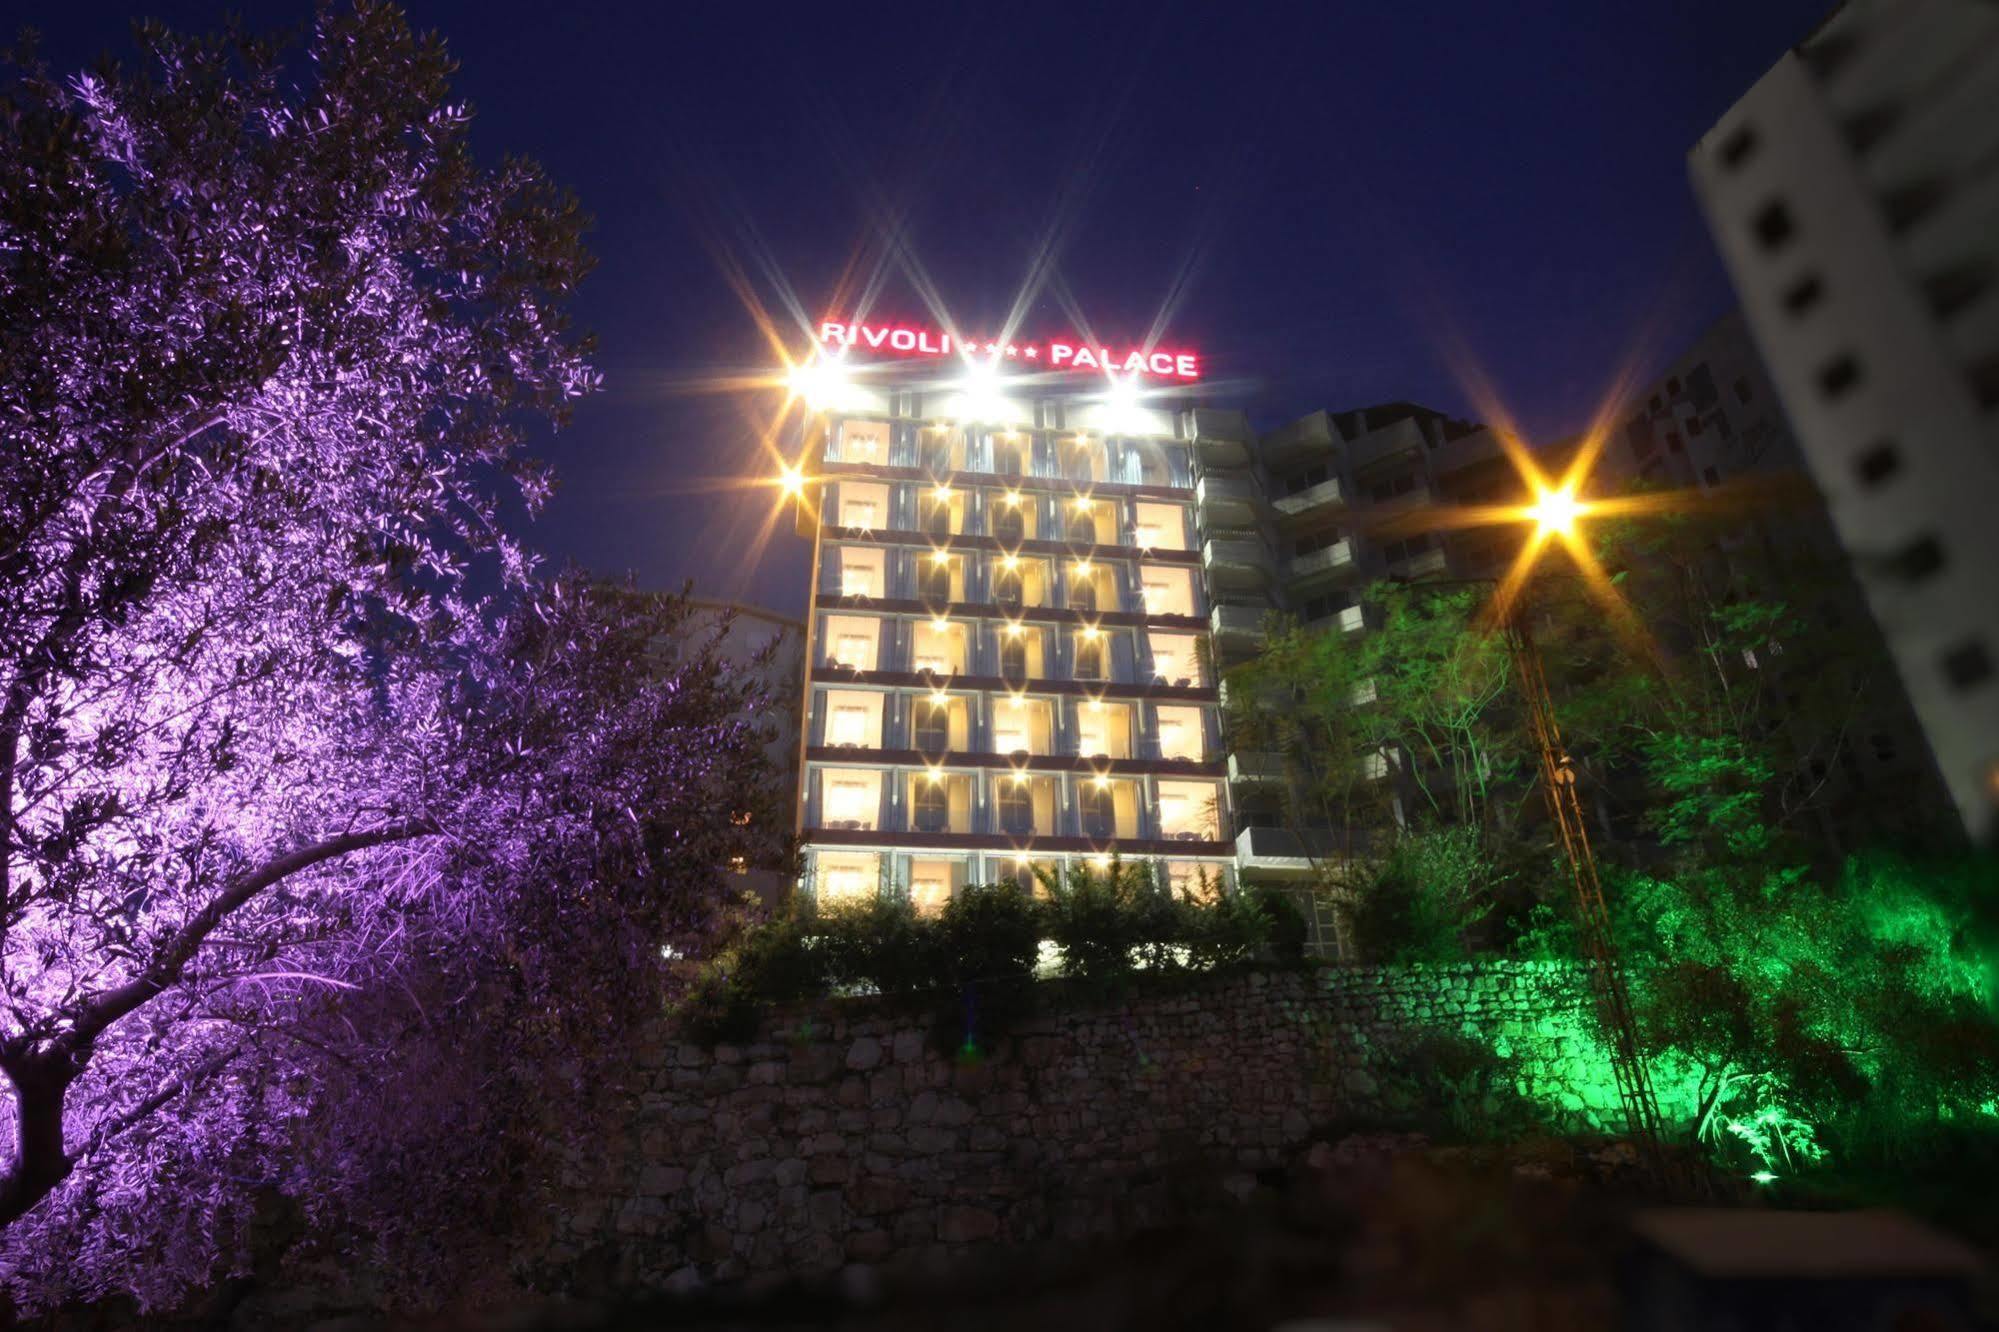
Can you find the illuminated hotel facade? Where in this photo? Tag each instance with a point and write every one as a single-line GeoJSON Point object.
{"type": "Point", "coordinates": [1008, 665]}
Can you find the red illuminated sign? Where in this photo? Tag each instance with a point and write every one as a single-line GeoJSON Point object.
{"type": "Point", "coordinates": [899, 340]}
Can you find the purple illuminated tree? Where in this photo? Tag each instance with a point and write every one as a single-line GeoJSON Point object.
{"type": "Point", "coordinates": [299, 757]}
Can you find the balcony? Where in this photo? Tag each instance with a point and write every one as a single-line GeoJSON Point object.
{"type": "Point", "coordinates": [1235, 561]}
{"type": "Point", "coordinates": [1425, 564]}
{"type": "Point", "coordinates": [1323, 562]}
{"type": "Point", "coordinates": [1237, 626]}
{"type": "Point", "coordinates": [1221, 438]}
{"type": "Point", "coordinates": [1256, 769]}
{"type": "Point", "coordinates": [1352, 620]}
{"type": "Point", "coordinates": [1226, 501]}
{"type": "Point", "coordinates": [1325, 496]}
{"type": "Point", "coordinates": [1279, 853]}
{"type": "Point", "coordinates": [1310, 437]}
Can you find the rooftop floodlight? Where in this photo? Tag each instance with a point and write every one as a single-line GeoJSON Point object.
{"type": "Point", "coordinates": [821, 383]}
{"type": "Point", "coordinates": [979, 393]}
{"type": "Point", "coordinates": [1121, 406]}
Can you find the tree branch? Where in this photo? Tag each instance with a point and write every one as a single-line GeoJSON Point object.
{"type": "Point", "coordinates": [101, 1010]}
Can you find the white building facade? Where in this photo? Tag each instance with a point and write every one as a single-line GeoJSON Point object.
{"type": "Point", "coordinates": [1854, 198]}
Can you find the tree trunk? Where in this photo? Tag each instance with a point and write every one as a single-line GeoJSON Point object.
{"type": "Point", "coordinates": [40, 1162]}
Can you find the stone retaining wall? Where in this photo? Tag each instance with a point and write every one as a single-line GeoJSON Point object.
{"type": "Point", "coordinates": [840, 1136]}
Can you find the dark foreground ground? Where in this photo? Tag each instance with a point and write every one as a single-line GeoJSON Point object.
{"type": "Point", "coordinates": [1375, 1231]}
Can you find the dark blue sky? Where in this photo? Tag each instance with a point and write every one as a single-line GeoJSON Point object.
{"type": "Point", "coordinates": [1338, 191]}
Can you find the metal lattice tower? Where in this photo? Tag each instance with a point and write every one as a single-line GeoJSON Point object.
{"type": "Point", "coordinates": [1606, 974]}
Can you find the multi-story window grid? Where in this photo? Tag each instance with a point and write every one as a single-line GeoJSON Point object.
{"type": "Point", "coordinates": [1008, 648]}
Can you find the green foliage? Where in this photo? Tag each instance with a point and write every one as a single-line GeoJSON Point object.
{"type": "Point", "coordinates": [989, 934]}
{"type": "Point", "coordinates": [1424, 899]}
{"type": "Point", "coordinates": [1105, 925]}
{"type": "Point", "coordinates": [973, 963]}
{"type": "Point", "coordinates": [1286, 924]}
{"type": "Point", "coordinates": [879, 946]}
{"type": "Point", "coordinates": [1463, 1087]}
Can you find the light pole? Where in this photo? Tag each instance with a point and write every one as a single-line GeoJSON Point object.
{"type": "Point", "coordinates": [1554, 513]}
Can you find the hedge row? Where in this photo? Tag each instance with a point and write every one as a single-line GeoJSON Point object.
{"type": "Point", "coordinates": [974, 962]}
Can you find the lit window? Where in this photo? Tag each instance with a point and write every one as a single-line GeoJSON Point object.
{"type": "Point", "coordinates": [848, 798]}
{"type": "Point", "coordinates": [850, 725]}
{"type": "Point", "coordinates": [853, 651]}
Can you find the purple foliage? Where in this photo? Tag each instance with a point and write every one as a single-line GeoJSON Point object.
{"type": "Point", "coordinates": [310, 852]}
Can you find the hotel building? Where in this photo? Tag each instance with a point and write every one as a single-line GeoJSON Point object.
{"type": "Point", "coordinates": [1008, 663]}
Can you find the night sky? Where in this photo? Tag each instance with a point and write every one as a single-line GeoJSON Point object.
{"type": "Point", "coordinates": [1329, 198]}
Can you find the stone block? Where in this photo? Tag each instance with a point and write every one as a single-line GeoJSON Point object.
{"type": "Point", "coordinates": [865, 1053]}
{"type": "Point", "coordinates": [966, 1225]}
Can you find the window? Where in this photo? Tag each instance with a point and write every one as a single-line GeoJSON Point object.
{"type": "Point", "coordinates": [1879, 464]}
{"type": "Point", "coordinates": [1869, 127]}
{"type": "Point", "coordinates": [1090, 655]}
{"type": "Point", "coordinates": [1181, 733]}
{"type": "Point", "coordinates": [1382, 491]}
{"type": "Point", "coordinates": [930, 806]}
{"type": "Point", "coordinates": [1884, 747]}
{"type": "Point", "coordinates": [1016, 806]}
{"type": "Point", "coordinates": [1984, 377]}
{"type": "Point", "coordinates": [847, 876]}
{"type": "Point", "coordinates": [1710, 476]}
{"type": "Point", "coordinates": [862, 571]}
{"type": "Point", "coordinates": [1312, 541]}
{"type": "Point", "coordinates": [1083, 591]}
{"type": "Point", "coordinates": [852, 797]}
{"type": "Point", "coordinates": [1187, 811]}
{"type": "Point", "coordinates": [1912, 203]}
{"type": "Point", "coordinates": [1175, 659]}
{"type": "Point", "coordinates": [853, 718]}
{"type": "Point", "coordinates": [931, 731]}
{"type": "Point", "coordinates": [1772, 225]}
{"type": "Point", "coordinates": [851, 641]}
{"type": "Point", "coordinates": [861, 441]}
{"type": "Point", "coordinates": [930, 885]}
{"type": "Point", "coordinates": [1920, 559]}
{"type": "Point", "coordinates": [1166, 591]}
{"type": "Point", "coordinates": [1013, 658]}
{"type": "Point", "coordinates": [933, 578]}
{"type": "Point", "coordinates": [1098, 809]}
{"type": "Point", "coordinates": [1803, 294]}
{"type": "Point", "coordinates": [1742, 392]}
{"type": "Point", "coordinates": [1956, 288]}
{"type": "Point", "coordinates": [1838, 375]}
{"type": "Point", "coordinates": [1408, 548]}
{"type": "Point", "coordinates": [1158, 527]}
{"type": "Point", "coordinates": [1306, 479]}
{"type": "Point", "coordinates": [1967, 665]}
{"type": "Point", "coordinates": [1737, 147]}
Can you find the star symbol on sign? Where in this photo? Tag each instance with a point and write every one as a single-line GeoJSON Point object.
{"type": "Point", "coordinates": [1012, 350]}
{"type": "Point", "coordinates": [992, 349]}
{"type": "Point", "coordinates": [1033, 352]}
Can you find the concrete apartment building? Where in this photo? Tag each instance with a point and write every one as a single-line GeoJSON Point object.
{"type": "Point", "coordinates": [1854, 195]}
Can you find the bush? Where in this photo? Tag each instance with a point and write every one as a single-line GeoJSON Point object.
{"type": "Point", "coordinates": [989, 939]}
{"type": "Point", "coordinates": [1285, 923]}
{"type": "Point", "coordinates": [1227, 930]}
{"type": "Point", "coordinates": [1100, 923]}
{"type": "Point", "coordinates": [1424, 900]}
{"type": "Point", "coordinates": [880, 946]}
{"type": "Point", "coordinates": [988, 934]}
